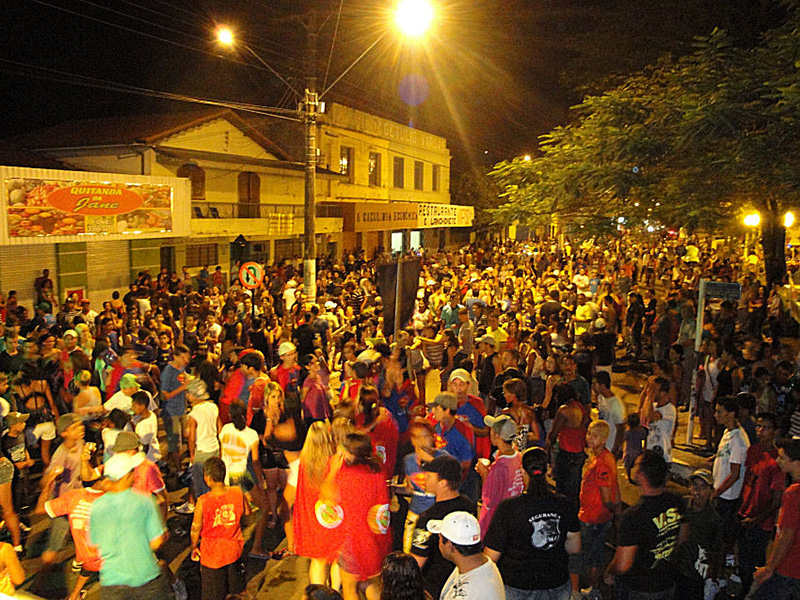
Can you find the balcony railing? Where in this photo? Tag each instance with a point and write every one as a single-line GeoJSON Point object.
{"type": "Point", "coordinates": [230, 210]}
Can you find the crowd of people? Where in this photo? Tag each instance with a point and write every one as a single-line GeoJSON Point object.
{"type": "Point", "coordinates": [472, 453]}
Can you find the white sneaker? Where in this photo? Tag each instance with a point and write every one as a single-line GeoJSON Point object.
{"type": "Point", "coordinates": [184, 509]}
{"type": "Point", "coordinates": [179, 587]}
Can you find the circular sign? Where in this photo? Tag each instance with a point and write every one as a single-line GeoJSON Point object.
{"type": "Point", "coordinates": [251, 274]}
{"type": "Point", "coordinates": [328, 514]}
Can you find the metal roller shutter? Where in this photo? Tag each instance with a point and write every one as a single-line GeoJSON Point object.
{"type": "Point", "coordinates": [21, 265]}
{"type": "Point", "coordinates": [108, 269]}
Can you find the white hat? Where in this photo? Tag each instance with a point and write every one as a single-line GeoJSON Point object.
{"type": "Point", "coordinates": [120, 465]}
{"type": "Point", "coordinates": [286, 348]}
{"type": "Point", "coordinates": [600, 323]}
{"type": "Point", "coordinates": [330, 305]}
{"type": "Point", "coordinates": [459, 527]}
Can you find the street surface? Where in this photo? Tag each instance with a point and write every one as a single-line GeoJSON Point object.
{"type": "Point", "coordinates": [285, 579]}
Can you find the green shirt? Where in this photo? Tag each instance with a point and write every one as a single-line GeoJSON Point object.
{"type": "Point", "coordinates": [122, 525]}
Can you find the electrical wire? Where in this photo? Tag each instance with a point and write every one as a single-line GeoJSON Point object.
{"type": "Point", "coordinates": [333, 43]}
{"type": "Point", "coordinates": [37, 72]}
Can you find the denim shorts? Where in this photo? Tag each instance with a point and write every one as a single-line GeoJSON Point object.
{"type": "Point", "coordinates": [562, 592]}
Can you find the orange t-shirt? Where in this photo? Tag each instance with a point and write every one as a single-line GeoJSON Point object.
{"type": "Point", "coordinates": [601, 472]}
{"type": "Point", "coordinates": [77, 506]}
{"type": "Point", "coordinates": [221, 539]}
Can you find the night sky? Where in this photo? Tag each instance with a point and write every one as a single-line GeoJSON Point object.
{"type": "Point", "coordinates": [498, 73]}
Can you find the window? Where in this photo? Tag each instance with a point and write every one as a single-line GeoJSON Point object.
{"type": "Point", "coordinates": [419, 174]}
{"type": "Point", "coordinates": [198, 255]}
{"type": "Point", "coordinates": [435, 178]}
{"type": "Point", "coordinates": [416, 240]}
{"type": "Point", "coordinates": [197, 176]}
{"type": "Point", "coordinates": [397, 241]}
{"type": "Point", "coordinates": [249, 195]}
{"type": "Point", "coordinates": [346, 162]}
{"type": "Point", "coordinates": [399, 175]}
{"type": "Point", "coordinates": [374, 169]}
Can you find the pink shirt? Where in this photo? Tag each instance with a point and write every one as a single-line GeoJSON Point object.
{"type": "Point", "coordinates": [504, 480]}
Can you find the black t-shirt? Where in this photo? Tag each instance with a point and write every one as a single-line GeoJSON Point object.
{"type": "Point", "coordinates": [304, 339]}
{"type": "Point", "coordinates": [436, 569]}
{"type": "Point", "coordinates": [604, 347]}
{"type": "Point", "coordinates": [11, 364]}
{"type": "Point", "coordinates": [548, 309]}
{"type": "Point", "coordinates": [653, 525]}
{"type": "Point", "coordinates": [14, 447]}
{"type": "Point", "coordinates": [693, 557]}
{"type": "Point", "coordinates": [530, 534]}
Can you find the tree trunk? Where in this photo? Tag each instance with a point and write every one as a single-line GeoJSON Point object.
{"type": "Point", "coordinates": [773, 239]}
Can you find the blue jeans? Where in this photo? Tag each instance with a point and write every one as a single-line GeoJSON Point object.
{"type": "Point", "coordinates": [593, 547]}
{"type": "Point", "coordinates": [560, 593]}
{"type": "Point", "coordinates": [567, 472]}
{"type": "Point", "coordinates": [777, 587]}
{"type": "Point", "coordinates": [623, 592]}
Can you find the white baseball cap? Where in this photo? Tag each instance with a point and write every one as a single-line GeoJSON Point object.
{"type": "Point", "coordinates": [286, 348]}
{"type": "Point", "coordinates": [459, 527]}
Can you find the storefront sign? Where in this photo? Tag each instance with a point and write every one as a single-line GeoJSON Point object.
{"type": "Point", "coordinates": [444, 215]}
{"type": "Point", "coordinates": [373, 216]}
{"type": "Point", "coordinates": [39, 207]}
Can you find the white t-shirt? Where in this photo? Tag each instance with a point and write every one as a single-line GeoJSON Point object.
{"type": "Point", "coordinates": [205, 415]}
{"type": "Point", "coordinates": [483, 583]}
{"type": "Point", "coordinates": [612, 411]}
{"type": "Point", "coordinates": [236, 448]}
{"type": "Point", "coordinates": [660, 435]}
{"type": "Point", "coordinates": [120, 401]}
{"type": "Point", "coordinates": [732, 450]}
{"type": "Point", "coordinates": [147, 430]}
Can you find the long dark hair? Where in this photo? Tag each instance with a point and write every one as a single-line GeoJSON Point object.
{"type": "Point", "coordinates": [238, 415]}
{"type": "Point", "coordinates": [360, 446]}
{"type": "Point", "coordinates": [534, 462]}
{"type": "Point", "coordinates": [402, 578]}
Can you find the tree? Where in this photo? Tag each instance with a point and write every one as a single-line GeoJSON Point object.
{"type": "Point", "coordinates": [687, 141]}
{"type": "Point", "coordinates": [473, 188]}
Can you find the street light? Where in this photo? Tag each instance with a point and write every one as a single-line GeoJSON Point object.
{"type": "Point", "coordinates": [414, 17]}
{"type": "Point", "coordinates": [752, 220]}
{"type": "Point", "coordinates": [788, 219]}
{"type": "Point", "coordinates": [225, 36]}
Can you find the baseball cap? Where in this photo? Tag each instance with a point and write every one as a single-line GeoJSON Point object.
{"type": "Point", "coordinates": [503, 426]}
{"type": "Point", "coordinates": [461, 374]}
{"type": "Point", "coordinates": [126, 440]}
{"type": "Point", "coordinates": [65, 420]}
{"type": "Point", "coordinates": [198, 389]}
{"type": "Point", "coordinates": [487, 339]}
{"type": "Point", "coordinates": [446, 467]}
{"type": "Point", "coordinates": [600, 323]}
{"type": "Point", "coordinates": [129, 381]}
{"type": "Point", "coordinates": [446, 400]}
{"type": "Point", "coordinates": [704, 475]}
{"type": "Point", "coordinates": [71, 332]}
{"type": "Point", "coordinates": [120, 465]}
{"type": "Point", "coordinates": [14, 417]}
{"type": "Point", "coordinates": [459, 527]}
{"type": "Point", "coordinates": [330, 305]}
{"type": "Point", "coordinates": [286, 348]}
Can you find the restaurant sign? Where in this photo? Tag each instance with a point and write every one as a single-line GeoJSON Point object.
{"type": "Point", "coordinates": [41, 207]}
{"type": "Point", "coordinates": [444, 215]}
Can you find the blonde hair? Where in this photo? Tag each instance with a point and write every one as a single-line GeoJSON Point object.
{"type": "Point", "coordinates": [317, 450]}
{"type": "Point", "coordinates": [601, 427]}
{"type": "Point", "coordinates": [273, 387]}
{"type": "Point", "coordinates": [340, 429]}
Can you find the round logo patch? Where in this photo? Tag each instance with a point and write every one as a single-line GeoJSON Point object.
{"type": "Point", "coordinates": [378, 519]}
{"type": "Point", "coordinates": [329, 515]}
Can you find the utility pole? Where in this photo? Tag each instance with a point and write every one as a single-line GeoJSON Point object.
{"type": "Point", "coordinates": [310, 108]}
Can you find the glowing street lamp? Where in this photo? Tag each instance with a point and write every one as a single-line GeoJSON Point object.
{"type": "Point", "coordinates": [788, 219]}
{"type": "Point", "coordinates": [752, 220]}
{"type": "Point", "coordinates": [414, 17]}
{"type": "Point", "coordinates": [225, 36]}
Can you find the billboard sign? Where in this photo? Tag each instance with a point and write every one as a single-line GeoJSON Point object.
{"type": "Point", "coordinates": [47, 207]}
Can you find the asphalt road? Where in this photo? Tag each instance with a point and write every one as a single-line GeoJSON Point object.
{"type": "Point", "coordinates": [273, 579]}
